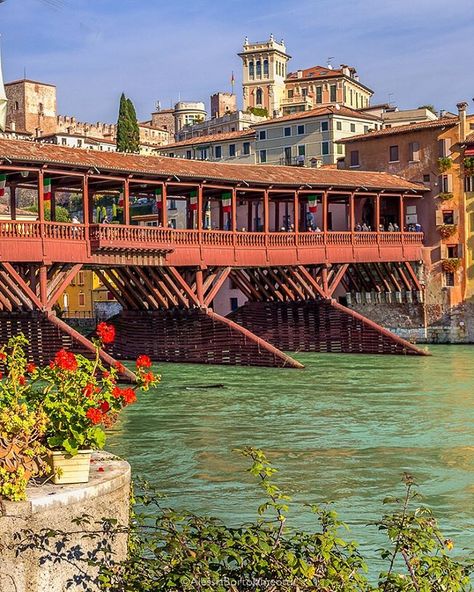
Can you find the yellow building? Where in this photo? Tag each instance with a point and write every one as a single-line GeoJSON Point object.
{"type": "Point", "coordinates": [81, 295]}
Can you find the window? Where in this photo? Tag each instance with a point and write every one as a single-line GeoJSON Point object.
{"type": "Point", "coordinates": [287, 131]}
{"type": "Point", "coordinates": [64, 141]}
{"type": "Point", "coordinates": [469, 184]}
{"type": "Point", "coordinates": [246, 147]}
{"type": "Point", "coordinates": [332, 92]}
{"type": "Point", "coordinates": [203, 153]}
{"type": "Point", "coordinates": [263, 156]}
{"type": "Point", "coordinates": [452, 251]}
{"type": "Point", "coordinates": [80, 278]}
{"type": "Point", "coordinates": [448, 217]}
{"type": "Point", "coordinates": [300, 130]}
{"type": "Point", "coordinates": [171, 154]}
{"type": "Point", "coordinates": [259, 96]}
{"type": "Point", "coordinates": [413, 152]}
{"type": "Point", "coordinates": [426, 178]}
{"type": "Point", "coordinates": [444, 147]}
{"type": "Point", "coordinates": [81, 299]}
{"type": "Point", "coordinates": [79, 143]}
{"type": "Point", "coordinates": [218, 151]}
{"type": "Point", "coordinates": [339, 125]}
{"type": "Point", "coordinates": [304, 92]}
{"type": "Point", "coordinates": [188, 154]}
{"type": "Point", "coordinates": [393, 154]}
{"type": "Point", "coordinates": [251, 70]}
{"type": "Point", "coordinates": [340, 149]}
{"type": "Point", "coordinates": [449, 279]}
{"type": "Point", "coordinates": [172, 204]}
{"type": "Point", "coordinates": [324, 126]}
{"type": "Point", "coordinates": [258, 68]}
{"type": "Point", "coordinates": [319, 94]}
{"type": "Point", "coordinates": [231, 149]}
{"type": "Point", "coordinates": [355, 158]}
{"type": "Point", "coordinates": [290, 93]}
{"type": "Point", "coordinates": [366, 129]}
{"type": "Point", "coordinates": [17, 105]}
{"type": "Point", "coordinates": [234, 304]}
{"type": "Point", "coordinates": [262, 135]}
{"type": "Point", "coordinates": [445, 183]}
{"type": "Point", "coordinates": [325, 148]}
{"type": "Point", "coordinates": [353, 127]}
{"type": "Point", "coordinates": [301, 150]}
{"type": "Point", "coordinates": [265, 67]}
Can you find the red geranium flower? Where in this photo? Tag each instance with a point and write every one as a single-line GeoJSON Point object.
{"type": "Point", "coordinates": [22, 380]}
{"type": "Point", "coordinates": [143, 362]}
{"type": "Point", "coordinates": [30, 368]}
{"type": "Point", "coordinates": [1, 375]}
{"type": "Point", "coordinates": [116, 392]}
{"type": "Point", "coordinates": [119, 367]}
{"type": "Point", "coordinates": [95, 415]}
{"type": "Point", "coordinates": [148, 377]}
{"type": "Point", "coordinates": [106, 333]}
{"type": "Point", "coordinates": [104, 407]}
{"type": "Point", "coordinates": [65, 360]}
{"type": "Point", "coordinates": [129, 396]}
{"type": "Point", "coordinates": [88, 390]}
{"type": "Point", "coordinates": [3, 356]}
{"type": "Point", "coordinates": [106, 374]}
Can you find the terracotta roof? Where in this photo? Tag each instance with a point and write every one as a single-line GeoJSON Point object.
{"type": "Point", "coordinates": [148, 124]}
{"type": "Point", "coordinates": [198, 140]}
{"type": "Point", "coordinates": [320, 112]}
{"type": "Point", "coordinates": [315, 72]}
{"type": "Point", "coordinates": [470, 138]}
{"type": "Point", "coordinates": [30, 81]}
{"type": "Point", "coordinates": [402, 129]}
{"type": "Point", "coordinates": [18, 151]}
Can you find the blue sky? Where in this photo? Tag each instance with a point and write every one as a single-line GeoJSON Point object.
{"type": "Point", "coordinates": [413, 51]}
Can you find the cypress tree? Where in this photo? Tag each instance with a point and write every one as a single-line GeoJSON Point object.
{"type": "Point", "coordinates": [123, 126]}
{"type": "Point", "coordinates": [134, 130]}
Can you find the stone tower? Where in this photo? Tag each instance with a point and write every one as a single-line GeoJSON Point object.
{"type": "Point", "coordinates": [264, 72]}
{"type": "Point", "coordinates": [31, 107]}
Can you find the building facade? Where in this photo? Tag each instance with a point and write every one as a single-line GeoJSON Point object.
{"type": "Point", "coordinates": [237, 147]}
{"type": "Point", "coordinates": [309, 138]}
{"type": "Point", "coordinates": [230, 122]}
{"type": "Point", "coordinates": [223, 103]}
{"type": "Point", "coordinates": [434, 153]}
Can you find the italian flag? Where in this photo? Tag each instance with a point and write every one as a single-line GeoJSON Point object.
{"type": "Point", "coordinates": [120, 200]}
{"type": "Point", "coordinates": [193, 202]}
{"type": "Point", "coordinates": [3, 184]}
{"type": "Point", "coordinates": [313, 203]}
{"type": "Point", "coordinates": [159, 197]}
{"type": "Point", "coordinates": [47, 189]}
{"type": "Point", "coordinates": [226, 201]}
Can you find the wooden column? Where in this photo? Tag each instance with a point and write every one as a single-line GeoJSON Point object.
{"type": "Point", "coordinates": [13, 201]}
{"type": "Point", "coordinates": [296, 212]}
{"type": "Point", "coordinates": [43, 281]}
{"type": "Point", "coordinates": [277, 215]}
{"type": "Point", "coordinates": [85, 200]}
{"type": "Point", "coordinates": [351, 212]}
{"type": "Point", "coordinates": [266, 212]}
{"type": "Point", "coordinates": [402, 214]}
{"type": "Point", "coordinates": [52, 206]}
{"type": "Point", "coordinates": [164, 206]}
{"type": "Point", "coordinates": [199, 207]}
{"type": "Point", "coordinates": [200, 287]}
{"type": "Point", "coordinates": [325, 211]}
{"type": "Point", "coordinates": [41, 195]}
{"type": "Point", "coordinates": [377, 212]}
{"type": "Point", "coordinates": [126, 202]}
{"type": "Point", "coordinates": [234, 209]}
{"type": "Point", "coordinates": [249, 215]}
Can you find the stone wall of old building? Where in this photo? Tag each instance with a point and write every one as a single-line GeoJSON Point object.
{"type": "Point", "coordinates": [31, 106]}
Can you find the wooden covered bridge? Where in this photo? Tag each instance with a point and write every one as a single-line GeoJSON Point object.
{"type": "Point", "coordinates": [288, 238]}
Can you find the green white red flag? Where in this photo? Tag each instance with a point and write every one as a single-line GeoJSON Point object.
{"type": "Point", "coordinates": [159, 197]}
{"type": "Point", "coordinates": [193, 201]}
{"type": "Point", "coordinates": [313, 203]}
{"type": "Point", "coordinates": [47, 189]}
{"type": "Point", "coordinates": [226, 201]}
{"type": "Point", "coordinates": [3, 184]}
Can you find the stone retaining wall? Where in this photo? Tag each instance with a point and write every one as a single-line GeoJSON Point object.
{"type": "Point", "coordinates": [54, 506]}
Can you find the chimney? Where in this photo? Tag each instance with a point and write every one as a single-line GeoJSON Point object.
{"type": "Point", "coordinates": [300, 73]}
{"type": "Point", "coordinates": [462, 121]}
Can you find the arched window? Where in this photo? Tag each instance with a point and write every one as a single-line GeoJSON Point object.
{"type": "Point", "coordinates": [251, 70]}
{"type": "Point", "coordinates": [265, 67]}
{"type": "Point", "coordinates": [259, 68]}
{"type": "Point", "coordinates": [259, 96]}
{"type": "Point", "coordinates": [17, 106]}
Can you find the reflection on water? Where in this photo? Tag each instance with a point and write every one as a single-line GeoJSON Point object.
{"type": "Point", "coordinates": [343, 429]}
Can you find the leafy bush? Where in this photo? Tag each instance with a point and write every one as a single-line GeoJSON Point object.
{"type": "Point", "coordinates": [62, 215]}
{"type": "Point", "coordinates": [178, 550]}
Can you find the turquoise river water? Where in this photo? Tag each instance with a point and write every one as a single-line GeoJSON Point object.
{"type": "Point", "coordinates": [344, 429]}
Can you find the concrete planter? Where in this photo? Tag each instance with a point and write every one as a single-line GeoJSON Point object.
{"type": "Point", "coordinates": [68, 469]}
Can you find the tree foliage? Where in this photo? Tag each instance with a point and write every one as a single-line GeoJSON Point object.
{"type": "Point", "coordinates": [61, 213]}
{"type": "Point", "coordinates": [128, 132]}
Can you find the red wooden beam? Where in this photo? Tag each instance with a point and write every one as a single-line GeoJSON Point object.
{"type": "Point", "coordinates": [21, 282]}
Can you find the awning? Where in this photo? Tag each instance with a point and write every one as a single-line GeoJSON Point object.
{"type": "Point", "coordinates": [469, 151]}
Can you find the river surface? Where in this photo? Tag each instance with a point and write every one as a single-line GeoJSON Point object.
{"type": "Point", "coordinates": [344, 429]}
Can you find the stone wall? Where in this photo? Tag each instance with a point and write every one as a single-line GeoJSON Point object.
{"type": "Point", "coordinates": [53, 507]}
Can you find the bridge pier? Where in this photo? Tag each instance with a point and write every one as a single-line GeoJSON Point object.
{"type": "Point", "coordinates": [319, 326]}
{"type": "Point", "coordinates": [195, 335]}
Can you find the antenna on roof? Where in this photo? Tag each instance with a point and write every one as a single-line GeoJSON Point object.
{"type": "Point", "coordinates": [329, 62]}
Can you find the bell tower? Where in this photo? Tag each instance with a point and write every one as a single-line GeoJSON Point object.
{"type": "Point", "coordinates": [263, 78]}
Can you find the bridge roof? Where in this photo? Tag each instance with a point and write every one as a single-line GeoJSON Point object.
{"type": "Point", "coordinates": [27, 152]}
